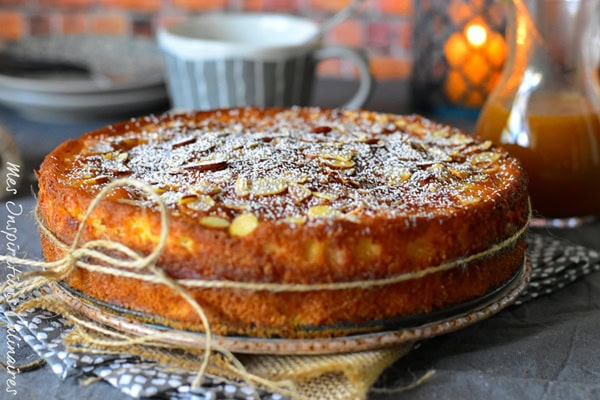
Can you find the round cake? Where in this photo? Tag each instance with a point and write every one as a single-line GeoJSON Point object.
{"type": "Point", "coordinates": [319, 222]}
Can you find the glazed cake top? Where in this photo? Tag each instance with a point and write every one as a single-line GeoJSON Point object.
{"type": "Point", "coordinates": [295, 164]}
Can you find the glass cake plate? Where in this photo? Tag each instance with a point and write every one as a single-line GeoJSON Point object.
{"type": "Point", "coordinates": [382, 333]}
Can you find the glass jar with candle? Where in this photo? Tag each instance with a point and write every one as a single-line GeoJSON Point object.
{"type": "Point", "coordinates": [458, 53]}
{"type": "Point", "coordinates": [546, 108]}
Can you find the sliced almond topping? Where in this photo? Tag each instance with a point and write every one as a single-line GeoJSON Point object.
{"type": "Point", "coordinates": [184, 141]}
{"type": "Point", "coordinates": [389, 128]}
{"type": "Point", "coordinates": [214, 222]}
{"type": "Point", "coordinates": [400, 123]}
{"type": "Point", "coordinates": [201, 203]}
{"type": "Point", "coordinates": [120, 173]}
{"type": "Point", "coordinates": [356, 211]}
{"type": "Point", "coordinates": [98, 180]}
{"type": "Point", "coordinates": [321, 129]}
{"type": "Point", "coordinates": [419, 146]}
{"type": "Point", "coordinates": [459, 138]}
{"type": "Point", "coordinates": [242, 187]}
{"type": "Point", "coordinates": [207, 165]}
{"type": "Point", "coordinates": [299, 192]}
{"type": "Point", "coordinates": [369, 140]}
{"type": "Point", "coordinates": [417, 128]}
{"type": "Point", "coordinates": [441, 133]}
{"type": "Point", "coordinates": [486, 157]}
{"type": "Point", "coordinates": [205, 187]}
{"type": "Point", "coordinates": [469, 200]}
{"type": "Point", "coordinates": [382, 118]}
{"type": "Point", "coordinates": [326, 196]}
{"type": "Point", "coordinates": [486, 145]}
{"type": "Point", "coordinates": [243, 225]}
{"type": "Point", "coordinates": [293, 177]}
{"type": "Point", "coordinates": [237, 207]}
{"type": "Point", "coordinates": [338, 164]}
{"type": "Point", "coordinates": [296, 220]}
{"type": "Point", "coordinates": [351, 182]}
{"type": "Point", "coordinates": [439, 154]}
{"type": "Point", "coordinates": [396, 175]}
{"type": "Point", "coordinates": [323, 212]}
{"type": "Point", "coordinates": [129, 143]}
{"type": "Point", "coordinates": [267, 187]}
{"type": "Point", "coordinates": [336, 155]}
{"type": "Point", "coordinates": [491, 170]}
{"type": "Point", "coordinates": [187, 198]}
{"type": "Point", "coordinates": [458, 173]}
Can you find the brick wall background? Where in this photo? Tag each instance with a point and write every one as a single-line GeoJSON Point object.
{"type": "Point", "coordinates": [383, 27]}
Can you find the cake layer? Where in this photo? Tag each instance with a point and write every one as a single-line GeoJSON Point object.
{"type": "Point", "coordinates": [290, 196]}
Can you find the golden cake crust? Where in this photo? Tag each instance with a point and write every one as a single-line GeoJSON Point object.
{"type": "Point", "coordinates": [294, 196]}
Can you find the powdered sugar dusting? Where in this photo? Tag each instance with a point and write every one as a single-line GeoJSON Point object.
{"type": "Point", "coordinates": [297, 164]}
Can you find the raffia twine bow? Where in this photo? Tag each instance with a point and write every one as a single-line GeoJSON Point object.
{"type": "Point", "coordinates": [80, 255]}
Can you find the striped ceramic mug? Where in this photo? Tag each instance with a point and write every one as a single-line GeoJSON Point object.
{"type": "Point", "coordinates": [261, 59]}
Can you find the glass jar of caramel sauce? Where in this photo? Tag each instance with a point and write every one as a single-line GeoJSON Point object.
{"type": "Point", "coordinates": [545, 109]}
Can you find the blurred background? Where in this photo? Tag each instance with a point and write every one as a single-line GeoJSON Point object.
{"type": "Point", "coordinates": [383, 27]}
{"type": "Point", "coordinates": [396, 34]}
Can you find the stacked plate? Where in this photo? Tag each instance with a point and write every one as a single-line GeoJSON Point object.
{"type": "Point", "coordinates": [82, 77]}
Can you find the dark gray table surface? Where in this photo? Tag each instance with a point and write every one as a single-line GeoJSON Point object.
{"type": "Point", "coordinates": [546, 349]}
